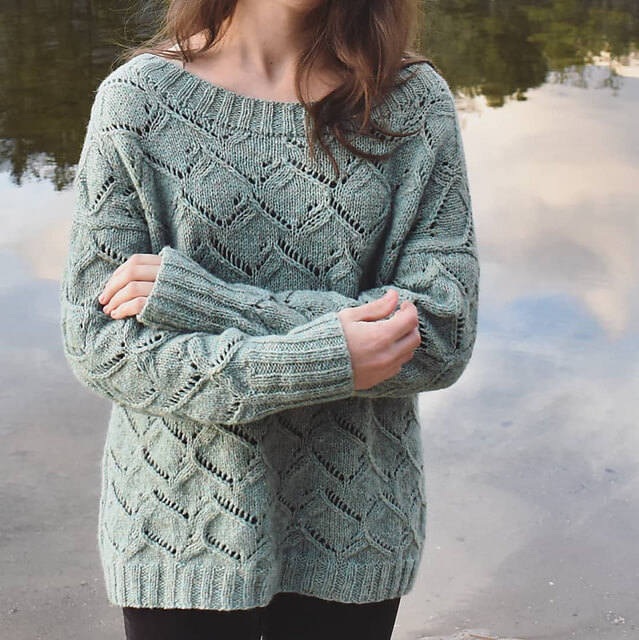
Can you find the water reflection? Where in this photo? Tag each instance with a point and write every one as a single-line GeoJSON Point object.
{"type": "Point", "coordinates": [56, 52]}
{"type": "Point", "coordinates": [555, 189]}
{"type": "Point", "coordinates": [532, 458]}
{"type": "Point", "coordinates": [500, 48]}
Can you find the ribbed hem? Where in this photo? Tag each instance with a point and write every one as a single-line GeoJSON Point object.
{"type": "Point", "coordinates": [169, 585]}
{"type": "Point", "coordinates": [348, 582]}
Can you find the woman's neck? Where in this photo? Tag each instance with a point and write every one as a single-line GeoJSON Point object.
{"type": "Point", "coordinates": [257, 53]}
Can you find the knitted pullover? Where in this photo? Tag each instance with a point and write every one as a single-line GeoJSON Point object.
{"type": "Point", "coordinates": [239, 460]}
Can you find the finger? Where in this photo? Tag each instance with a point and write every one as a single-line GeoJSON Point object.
{"type": "Point", "coordinates": [122, 276]}
{"type": "Point", "coordinates": [139, 258]}
{"type": "Point", "coordinates": [409, 307]}
{"type": "Point", "coordinates": [376, 309]}
{"type": "Point", "coordinates": [129, 308]}
{"type": "Point", "coordinates": [406, 345]}
{"type": "Point", "coordinates": [402, 351]}
{"type": "Point", "coordinates": [404, 321]}
{"type": "Point", "coordinates": [131, 291]}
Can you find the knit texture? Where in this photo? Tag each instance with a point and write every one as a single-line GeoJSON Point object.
{"type": "Point", "coordinates": [239, 459]}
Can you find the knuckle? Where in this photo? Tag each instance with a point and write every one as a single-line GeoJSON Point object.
{"type": "Point", "coordinates": [125, 274]}
{"type": "Point", "coordinates": [378, 358]}
{"type": "Point", "coordinates": [385, 343]}
{"type": "Point", "coordinates": [390, 361]}
{"type": "Point", "coordinates": [383, 358]}
{"type": "Point", "coordinates": [380, 340]}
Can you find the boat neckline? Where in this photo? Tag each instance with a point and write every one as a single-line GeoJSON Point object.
{"type": "Point", "coordinates": [213, 105]}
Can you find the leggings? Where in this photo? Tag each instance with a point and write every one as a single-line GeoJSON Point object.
{"type": "Point", "coordinates": [288, 616]}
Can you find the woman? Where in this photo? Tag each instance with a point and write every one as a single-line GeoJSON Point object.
{"type": "Point", "coordinates": [234, 291]}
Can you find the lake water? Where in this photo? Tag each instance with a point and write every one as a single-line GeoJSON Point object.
{"type": "Point", "coordinates": [531, 458]}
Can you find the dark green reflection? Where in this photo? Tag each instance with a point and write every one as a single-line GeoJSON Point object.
{"type": "Point", "coordinates": [501, 48]}
{"type": "Point", "coordinates": [56, 51]}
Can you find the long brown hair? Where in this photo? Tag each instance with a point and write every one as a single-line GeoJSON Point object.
{"type": "Point", "coordinates": [364, 42]}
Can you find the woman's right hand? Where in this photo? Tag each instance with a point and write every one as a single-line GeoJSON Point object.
{"type": "Point", "coordinates": [380, 345]}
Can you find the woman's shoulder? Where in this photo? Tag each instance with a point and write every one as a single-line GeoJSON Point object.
{"type": "Point", "coordinates": [425, 92]}
{"type": "Point", "coordinates": [134, 74]}
{"type": "Point", "coordinates": [125, 94]}
{"type": "Point", "coordinates": [130, 72]}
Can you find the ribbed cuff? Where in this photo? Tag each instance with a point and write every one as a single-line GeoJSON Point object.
{"type": "Point", "coordinates": [175, 293]}
{"type": "Point", "coordinates": [187, 296]}
{"type": "Point", "coordinates": [309, 364]}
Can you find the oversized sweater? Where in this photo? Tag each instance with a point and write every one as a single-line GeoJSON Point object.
{"type": "Point", "coordinates": [239, 459]}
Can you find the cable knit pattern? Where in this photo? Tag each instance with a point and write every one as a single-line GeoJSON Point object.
{"type": "Point", "coordinates": [239, 459]}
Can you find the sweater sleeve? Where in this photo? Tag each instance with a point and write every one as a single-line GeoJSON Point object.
{"type": "Point", "coordinates": [435, 265]}
{"type": "Point", "coordinates": [225, 376]}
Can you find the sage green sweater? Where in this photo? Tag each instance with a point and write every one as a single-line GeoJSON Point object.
{"type": "Point", "coordinates": [239, 459]}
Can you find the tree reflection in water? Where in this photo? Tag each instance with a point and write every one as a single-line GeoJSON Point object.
{"type": "Point", "coordinates": [55, 53]}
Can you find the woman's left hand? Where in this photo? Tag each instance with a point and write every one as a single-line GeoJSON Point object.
{"type": "Point", "coordinates": [128, 288]}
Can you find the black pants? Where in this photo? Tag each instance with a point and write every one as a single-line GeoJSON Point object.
{"type": "Point", "coordinates": [289, 616]}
